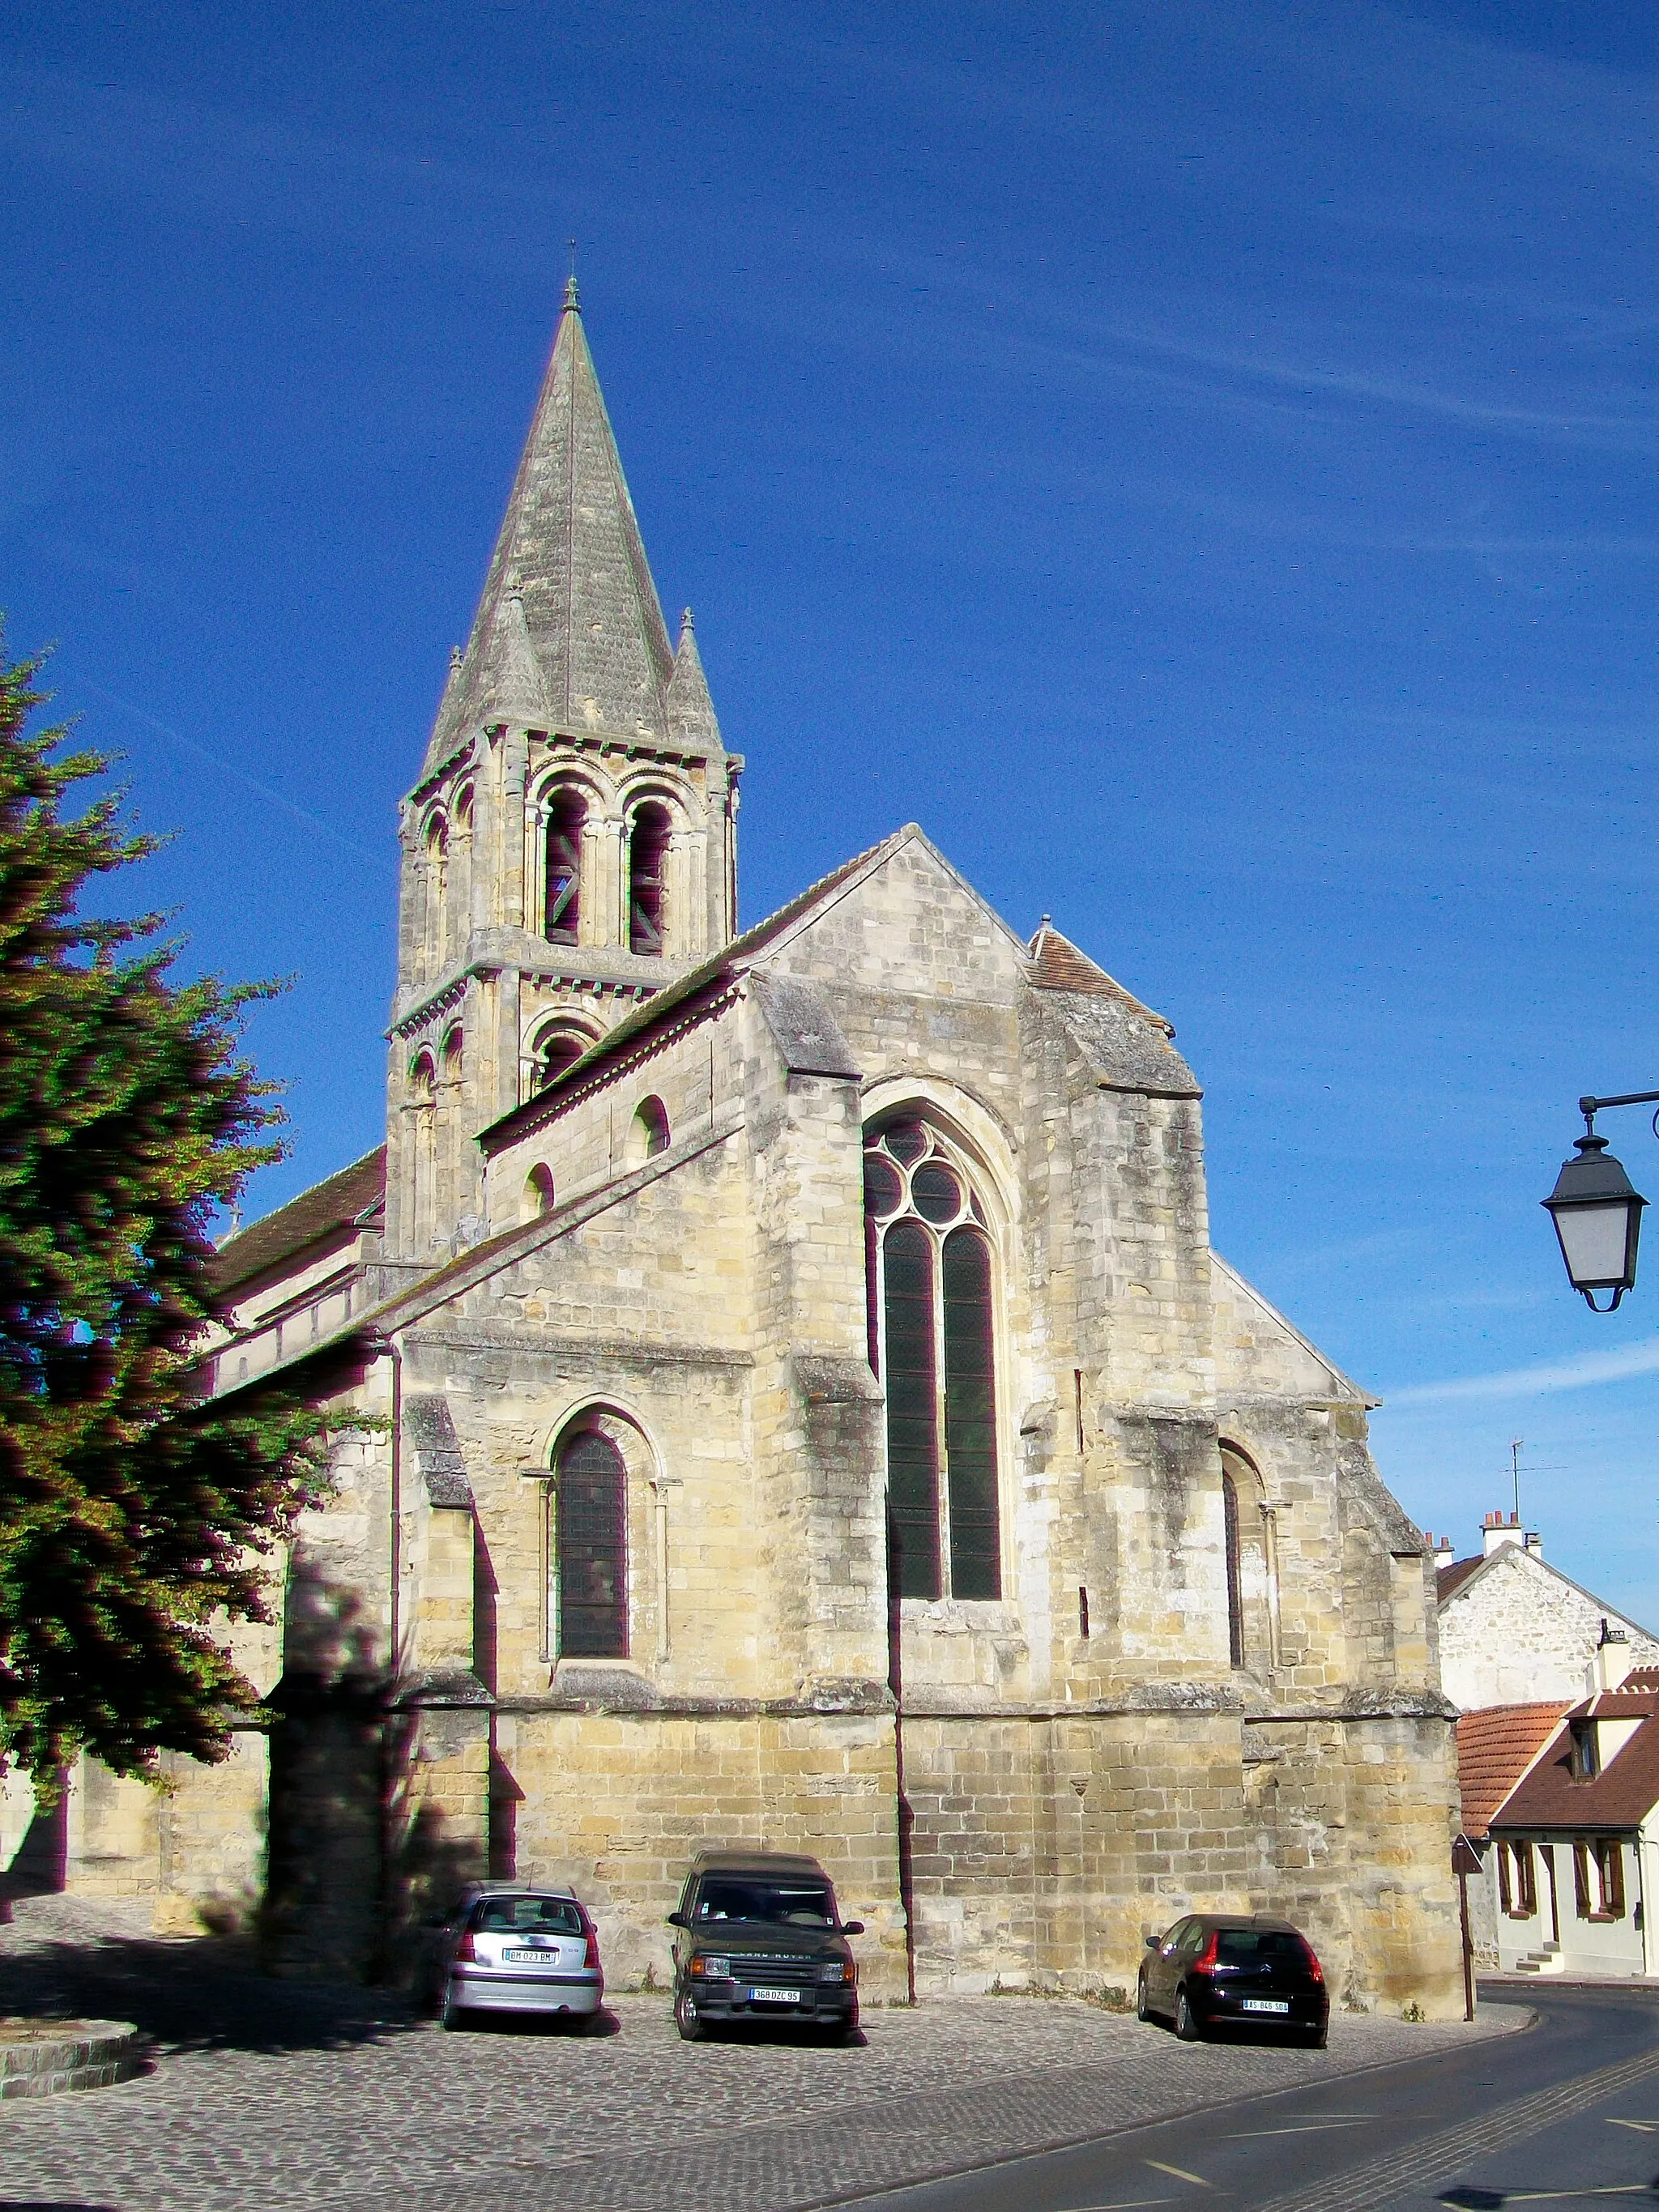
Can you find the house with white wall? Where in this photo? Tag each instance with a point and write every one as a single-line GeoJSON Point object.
{"type": "Point", "coordinates": [1574, 1856]}
{"type": "Point", "coordinates": [1515, 1630]}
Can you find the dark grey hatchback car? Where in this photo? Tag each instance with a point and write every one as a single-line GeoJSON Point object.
{"type": "Point", "coordinates": [1220, 1970]}
{"type": "Point", "coordinates": [758, 1936]}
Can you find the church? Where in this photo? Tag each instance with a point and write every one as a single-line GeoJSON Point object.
{"type": "Point", "coordinates": [780, 1389]}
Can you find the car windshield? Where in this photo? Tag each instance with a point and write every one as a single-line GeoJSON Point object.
{"type": "Point", "coordinates": [551, 1916]}
{"type": "Point", "coordinates": [1241, 1947]}
{"type": "Point", "coordinates": [749, 1896]}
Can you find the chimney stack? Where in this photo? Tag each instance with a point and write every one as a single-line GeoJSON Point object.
{"type": "Point", "coordinates": [1444, 1553]}
{"type": "Point", "coordinates": [1499, 1528]}
{"type": "Point", "coordinates": [1612, 1660]}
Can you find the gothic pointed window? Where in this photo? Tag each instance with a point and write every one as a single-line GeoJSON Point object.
{"type": "Point", "coordinates": [590, 1542]}
{"type": "Point", "coordinates": [564, 865]}
{"type": "Point", "coordinates": [933, 1343]}
{"type": "Point", "coordinates": [647, 845]}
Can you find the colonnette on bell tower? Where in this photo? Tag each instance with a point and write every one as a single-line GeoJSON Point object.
{"type": "Point", "coordinates": [571, 844]}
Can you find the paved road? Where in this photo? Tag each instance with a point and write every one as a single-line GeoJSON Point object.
{"type": "Point", "coordinates": [1565, 2114]}
{"type": "Point", "coordinates": [266, 2095]}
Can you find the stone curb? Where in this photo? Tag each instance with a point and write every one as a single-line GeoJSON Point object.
{"type": "Point", "coordinates": [42, 2059]}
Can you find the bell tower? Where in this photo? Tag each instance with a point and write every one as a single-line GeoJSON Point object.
{"type": "Point", "coordinates": [571, 844]}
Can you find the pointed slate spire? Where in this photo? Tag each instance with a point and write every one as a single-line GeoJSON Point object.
{"type": "Point", "coordinates": [570, 550]}
{"type": "Point", "coordinates": [690, 710]}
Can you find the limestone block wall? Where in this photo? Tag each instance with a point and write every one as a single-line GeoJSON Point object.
{"type": "Point", "coordinates": [1046, 1845]}
{"type": "Point", "coordinates": [616, 1803]}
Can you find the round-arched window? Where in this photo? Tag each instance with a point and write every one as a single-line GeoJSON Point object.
{"type": "Point", "coordinates": [566, 814]}
{"type": "Point", "coordinates": [932, 1345]}
{"type": "Point", "coordinates": [555, 1050]}
{"type": "Point", "coordinates": [590, 1498]}
{"type": "Point", "coordinates": [648, 845]}
{"type": "Point", "coordinates": [648, 1133]}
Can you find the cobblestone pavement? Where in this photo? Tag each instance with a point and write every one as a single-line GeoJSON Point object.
{"type": "Point", "coordinates": [268, 2095]}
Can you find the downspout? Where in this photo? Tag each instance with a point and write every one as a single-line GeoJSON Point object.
{"type": "Point", "coordinates": [904, 1818]}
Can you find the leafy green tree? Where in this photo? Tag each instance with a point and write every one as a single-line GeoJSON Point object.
{"type": "Point", "coordinates": [133, 1519]}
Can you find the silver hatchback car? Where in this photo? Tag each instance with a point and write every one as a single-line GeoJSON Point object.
{"type": "Point", "coordinates": [513, 1949]}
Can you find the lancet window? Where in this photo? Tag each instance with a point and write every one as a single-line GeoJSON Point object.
{"type": "Point", "coordinates": [933, 1343]}
{"type": "Point", "coordinates": [562, 909]}
{"type": "Point", "coordinates": [647, 846]}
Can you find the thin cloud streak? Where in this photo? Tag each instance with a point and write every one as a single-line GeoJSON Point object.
{"type": "Point", "coordinates": [1580, 1373]}
{"type": "Point", "coordinates": [210, 759]}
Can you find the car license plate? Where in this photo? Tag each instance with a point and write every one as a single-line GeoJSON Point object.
{"type": "Point", "coordinates": [530, 1957]}
{"type": "Point", "coordinates": [775, 1997]}
{"type": "Point", "coordinates": [1266, 2005]}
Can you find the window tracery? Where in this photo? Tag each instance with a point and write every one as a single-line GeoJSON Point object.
{"type": "Point", "coordinates": [934, 1346]}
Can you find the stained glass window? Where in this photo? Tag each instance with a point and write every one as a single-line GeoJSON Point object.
{"type": "Point", "coordinates": [591, 1504]}
{"type": "Point", "coordinates": [932, 1342]}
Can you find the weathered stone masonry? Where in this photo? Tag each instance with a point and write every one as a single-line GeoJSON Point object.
{"type": "Point", "coordinates": [623, 1207]}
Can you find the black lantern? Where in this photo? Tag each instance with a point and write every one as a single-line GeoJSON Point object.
{"type": "Point", "coordinates": [1598, 1218]}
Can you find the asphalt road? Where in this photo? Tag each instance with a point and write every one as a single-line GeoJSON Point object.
{"type": "Point", "coordinates": [1565, 2114]}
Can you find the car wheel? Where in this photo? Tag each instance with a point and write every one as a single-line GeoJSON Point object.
{"type": "Point", "coordinates": [450, 2015]}
{"type": "Point", "coordinates": [1318, 2037]}
{"type": "Point", "coordinates": [1186, 2026]}
{"type": "Point", "coordinates": [685, 2018]}
{"type": "Point", "coordinates": [1143, 2011]}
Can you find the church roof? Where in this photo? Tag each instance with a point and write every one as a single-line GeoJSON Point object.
{"type": "Point", "coordinates": [569, 632]}
{"type": "Point", "coordinates": [741, 950]}
{"type": "Point", "coordinates": [1058, 965]}
{"type": "Point", "coordinates": [329, 1207]}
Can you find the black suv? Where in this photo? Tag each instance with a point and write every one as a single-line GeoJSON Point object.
{"type": "Point", "coordinates": [758, 1937]}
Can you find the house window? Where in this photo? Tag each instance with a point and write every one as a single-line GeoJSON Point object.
{"type": "Point", "coordinates": [1586, 1765]}
{"type": "Point", "coordinates": [648, 845]}
{"type": "Point", "coordinates": [565, 816]}
{"type": "Point", "coordinates": [589, 1503]}
{"type": "Point", "coordinates": [932, 1342]}
{"type": "Point", "coordinates": [1517, 1881]}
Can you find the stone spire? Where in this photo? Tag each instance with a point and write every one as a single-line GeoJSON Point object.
{"type": "Point", "coordinates": [690, 710]}
{"type": "Point", "coordinates": [569, 626]}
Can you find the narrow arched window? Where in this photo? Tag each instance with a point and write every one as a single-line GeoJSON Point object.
{"type": "Point", "coordinates": [591, 1536]}
{"type": "Point", "coordinates": [1235, 1579]}
{"type": "Point", "coordinates": [454, 1045]}
{"type": "Point", "coordinates": [554, 1053]}
{"type": "Point", "coordinates": [538, 1191]}
{"type": "Point", "coordinates": [565, 818]}
{"type": "Point", "coordinates": [648, 1133]}
{"type": "Point", "coordinates": [648, 845]}
{"type": "Point", "coordinates": [934, 1344]}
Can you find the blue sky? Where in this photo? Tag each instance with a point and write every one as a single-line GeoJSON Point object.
{"type": "Point", "coordinates": [1198, 460]}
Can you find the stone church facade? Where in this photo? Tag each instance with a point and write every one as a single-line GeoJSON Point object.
{"type": "Point", "coordinates": [782, 1391]}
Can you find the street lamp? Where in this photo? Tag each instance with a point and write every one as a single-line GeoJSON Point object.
{"type": "Point", "coordinates": [1596, 1211]}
